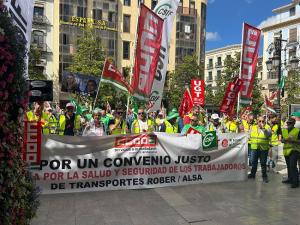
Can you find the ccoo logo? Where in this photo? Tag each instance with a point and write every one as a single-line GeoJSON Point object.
{"type": "Point", "coordinates": [208, 140]}
{"type": "Point", "coordinates": [164, 11]}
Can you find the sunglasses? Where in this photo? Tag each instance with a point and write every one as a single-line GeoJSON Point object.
{"type": "Point", "coordinates": [194, 121]}
{"type": "Point", "coordinates": [141, 113]}
{"type": "Point", "coordinates": [261, 121]}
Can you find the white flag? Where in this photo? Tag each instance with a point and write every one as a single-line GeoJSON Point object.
{"type": "Point", "coordinates": [166, 9]}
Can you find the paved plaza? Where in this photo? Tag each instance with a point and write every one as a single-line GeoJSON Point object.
{"type": "Point", "coordinates": [237, 203]}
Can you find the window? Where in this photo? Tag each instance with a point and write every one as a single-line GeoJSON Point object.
{"type": "Point", "coordinates": [127, 2]}
{"type": "Point", "coordinates": [218, 74]}
{"type": "Point", "coordinates": [126, 23]}
{"type": "Point", "coordinates": [209, 76]}
{"type": "Point", "coordinates": [38, 11]}
{"type": "Point", "coordinates": [65, 39]}
{"type": "Point", "coordinates": [38, 38]}
{"type": "Point", "coordinates": [192, 4]}
{"type": "Point", "coordinates": [81, 11]}
{"type": "Point", "coordinates": [111, 47]}
{"type": "Point", "coordinates": [126, 49]}
{"type": "Point", "coordinates": [97, 14]}
{"type": "Point", "coordinates": [219, 61]}
{"type": "Point", "coordinates": [180, 3]}
{"type": "Point", "coordinates": [64, 12]}
{"type": "Point", "coordinates": [210, 62]}
{"type": "Point", "coordinates": [111, 17]}
{"type": "Point", "coordinates": [153, 4]}
{"type": "Point", "coordinates": [292, 11]}
{"type": "Point", "coordinates": [106, 6]}
{"type": "Point", "coordinates": [293, 35]}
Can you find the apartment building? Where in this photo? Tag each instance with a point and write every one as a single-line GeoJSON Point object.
{"type": "Point", "coordinates": [286, 21]}
{"type": "Point", "coordinates": [115, 23]}
{"type": "Point", "coordinates": [214, 62]}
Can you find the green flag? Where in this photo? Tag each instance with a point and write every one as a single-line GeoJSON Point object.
{"type": "Point", "coordinates": [78, 108]}
{"type": "Point", "coordinates": [282, 82]}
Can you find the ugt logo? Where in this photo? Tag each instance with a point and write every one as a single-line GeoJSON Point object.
{"type": "Point", "coordinates": [164, 11]}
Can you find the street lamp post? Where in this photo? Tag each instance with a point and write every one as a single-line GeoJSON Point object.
{"type": "Point", "coordinates": [275, 63]}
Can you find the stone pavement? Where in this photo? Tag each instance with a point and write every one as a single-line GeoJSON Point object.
{"type": "Point", "coordinates": [237, 203]}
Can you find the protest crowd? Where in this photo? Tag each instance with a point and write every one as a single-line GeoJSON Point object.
{"type": "Point", "coordinates": [265, 134]}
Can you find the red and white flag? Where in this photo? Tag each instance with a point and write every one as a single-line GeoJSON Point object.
{"type": "Point", "coordinates": [186, 104]}
{"type": "Point", "coordinates": [273, 95]}
{"type": "Point", "coordinates": [197, 91]}
{"type": "Point", "coordinates": [230, 96]}
{"type": "Point", "coordinates": [149, 36]}
{"type": "Point", "coordinates": [269, 105]}
{"type": "Point", "coordinates": [250, 47]}
{"type": "Point", "coordinates": [111, 75]}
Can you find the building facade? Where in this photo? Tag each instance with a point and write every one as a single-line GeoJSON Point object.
{"type": "Point", "coordinates": [214, 62]}
{"type": "Point", "coordinates": [115, 22]}
{"type": "Point", "coordinates": [286, 21]}
{"type": "Point", "coordinates": [45, 37]}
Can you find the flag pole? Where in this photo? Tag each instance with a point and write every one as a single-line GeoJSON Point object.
{"type": "Point", "coordinates": [133, 56]}
{"type": "Point", "coordinates": [240, 74]}
{"type": "Point", "coordinates": [98, 90]}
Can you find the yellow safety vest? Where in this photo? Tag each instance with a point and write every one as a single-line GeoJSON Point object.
{"type": "Point", "coordinates": [170, 129]}
{"type": "Point", "coordinates": [136, 127]}
{"type": "Point", "coordinates": [62, 123]}
{"type": "Point", "coordinates": [212, 127]}
{"type": "Point", "coordinates": [274, 137]}
{"type": "Point", "coordinates": [231, 126]}
{"type": "Point", "coordinates": [259, 139]}
{"type": "Point", "coordinates": [119, 129]}
{"type": "Point", "coordinates": [44, 120]}
{"type": "Point", "coordinates": [245, 125]}
{"type": "Point", "coordinates": [288, 147]}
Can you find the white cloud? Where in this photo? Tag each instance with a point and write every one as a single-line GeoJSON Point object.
{"type": "Point", "coordinates": [249, 1]}
{"type": "Point", "coordinates": [212, 36]}
{"type": "Point", "coordinates": [269, 21]}
{"type": "Point", "coordinates": [211, 1]}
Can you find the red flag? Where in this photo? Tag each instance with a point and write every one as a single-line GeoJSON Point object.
{"type": "Point", "coordinates": [273, 95]}
{"type": "Point", "coordinates": [147, 52]}
{"type": "Point", "coordinates": [186, 104]}
{"type": "Point", "coordinates": [251, 38]}
{"type": "Point", "coordinates": [197, 91]}
{"type": "Point", "coordinates": [111, 75]}
{"type": "Point", "coordinates": [230, 96]}
{"type": "Point", "coordinates": [269, 105]}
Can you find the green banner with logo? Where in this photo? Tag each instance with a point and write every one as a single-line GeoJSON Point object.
{"type": "Point", "coordinates": [209, 140]}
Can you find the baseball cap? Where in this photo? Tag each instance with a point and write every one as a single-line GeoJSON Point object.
{"type": "Point", "coordinates": [70, 105]}
{"type": "Point", "coordinates": [215, 116]}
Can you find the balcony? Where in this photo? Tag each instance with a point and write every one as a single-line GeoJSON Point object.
{"type": "Point", "coordinates": [218, 64]}
{"type": "Point", "coordinates": [209, 66]}
{"type": "Point", "coordinates": [40, 20]}
{"type": "Point", "coordinates": [186, 11]}
{"type": "Point", "coordinates": [43, 47]}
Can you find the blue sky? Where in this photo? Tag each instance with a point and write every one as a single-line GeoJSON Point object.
{"type": "Point", "coordinates": [225, 18]}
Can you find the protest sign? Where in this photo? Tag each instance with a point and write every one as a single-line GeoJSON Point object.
{"type": "Point", "coordinates": [151, 160]}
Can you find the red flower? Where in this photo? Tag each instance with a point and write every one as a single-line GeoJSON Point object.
{"type": "Point", "coordinates": [2, 84]}
{"type": "Point", "coordinates": [3, 69]}
{"type": "Point", "coordinates": [10, 77]}
{"type": "Point", "coordinates": [10, 163]}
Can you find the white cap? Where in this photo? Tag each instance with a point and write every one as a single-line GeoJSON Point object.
{"type": "Point", "coordinates": [215, 116]}
{"type": "Point", "coordinates": [70, 105]}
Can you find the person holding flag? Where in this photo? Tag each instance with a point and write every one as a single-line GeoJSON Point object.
{"type": "Point", "coordinates": [170, 124]}
{"type": "Point", "coordinates": [193, 125]}
{"type": "Point", "coordinates": [37, 114]}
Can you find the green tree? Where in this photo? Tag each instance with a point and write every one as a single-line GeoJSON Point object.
{"type": "Point", "coordinates": [291, 90]}
{"type": "Point", "coordinates": [186, 71]}
{"type": "Point", "coordinates": [89, 57]}
{"type": "Point", "coordinates": [35, 72]}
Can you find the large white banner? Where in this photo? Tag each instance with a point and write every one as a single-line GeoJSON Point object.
{"type": "Point", "coordinates": [81, 164]}
{"type": "Point", "coordinates": [22, 13]}
{"type": "Point", "coordinates": [166, 9]}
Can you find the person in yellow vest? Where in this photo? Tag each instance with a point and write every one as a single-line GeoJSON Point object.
{"type": "Point", "coordinates": [250, 121]}
{"type": "Point", "coordinates": [291, 151]}
{"type": "Point", "coordinates": [196, 111]}
{"type": "Point", "coordinates": [142, 124]}
{"type": "Point", "coordinates": [170, 125]}
{"type": "Point", "coordinates": [260, 135]}
{"type": "Point", "coordinates": [273, 151]}
{"type": "Point", "coordinates": [52, 121]}
{"type": "Point", "coordinates": [159, 121]}
{"type": "Point", "coordinates": [69, 122]}
{"type": "Point", "coordinates": [216, 125]}
{"type": "Point", "coordinates": [231, 124]}
{"type": "Point", "coordinates": [37, 114]}
{"type": "Point", "coordinates": [118, 125]}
